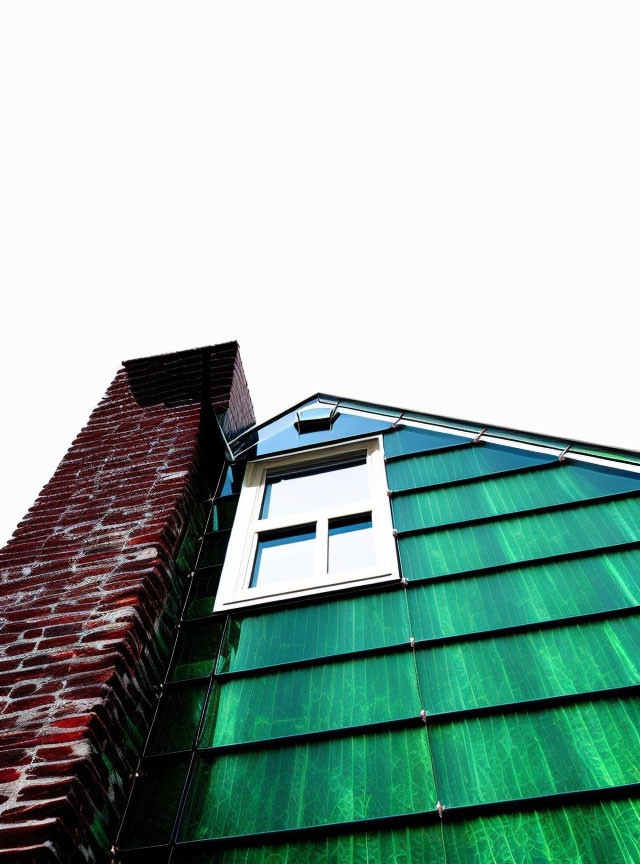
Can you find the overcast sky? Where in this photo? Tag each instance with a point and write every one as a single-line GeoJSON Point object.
{"type": "Point", "coordinates": [433, 205]}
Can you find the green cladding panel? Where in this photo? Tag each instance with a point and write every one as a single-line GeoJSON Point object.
{"type": "Point", "coordinates": [526, 595]}
{"type": "Point", "coordinates": [522, 596]}
{"type": "Point", "coordinates": [534, 753]}
{"type": "Point", "coordinates": [559, 483]}
{"type": "Point", "coordinates": [576, 659]}
{"type": "Point", "coordinates": [463, 463]}
{"type": "Point", "coordinates": [196, 649]}
{"type": "Point", "coordinates": [317, 630]}
{"type": "Point", "coordinates": [521, 538]}
{"type": "Point", "coordinates": [606, 832]}
{"type": "Point", "coordinates": [177, 720]}
{"type": "Point", "coordinates": [153, 807]}
{"type": "Point", "coordinates": [341, 779]}
{"type": "Point", "coordinates": [315, 698]}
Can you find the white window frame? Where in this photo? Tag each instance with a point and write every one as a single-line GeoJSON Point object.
{"type": "Point", "coordinates": [234, 591]}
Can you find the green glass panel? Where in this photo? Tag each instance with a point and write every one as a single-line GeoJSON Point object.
{"type": "Point", "coordinates": [334, 780]}
{"type": "Point", "coordinates": [570, 748]}
{"type": "Point", "coordinates": [203, 593]}
{"type": "Point", "coordinates": [407, 439]}
{"type": "Point", "coordinates": [314, 698]}
{"type": "Point", "coordinates": [176, 722]}
{"type": "Point", "coordinates": [544, 592]}
{"type": "Point", "coordinates": [317, 630]}
{"type": "Point", "coordinates": [522, 538]}
{"type": "Point", "coordinates": [196, 650]}
{"type": "Point", "coordinates": [460, 464]}
{"type": "Point", "coordinates": [403, 846]}
{"type": "Point", "coordinates": [186, 557]}
{"type": "Point", "coordinates": [222, 514]}
{"type": "Point", "coordinates": [150, 816]}
{"type": "Point", "coordinates": [214, 547]}
{"type": "Point", "coordinates": [607, 832]}
{"type": "Point", "coordinates": [561, 484]}
{"type": "Point", "coordinates": [575, 659]}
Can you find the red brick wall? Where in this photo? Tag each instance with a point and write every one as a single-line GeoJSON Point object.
{"type": "Point", "coordinates": [85, 585]}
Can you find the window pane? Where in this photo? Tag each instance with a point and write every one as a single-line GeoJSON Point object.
{"type": "Point", "coordinates": [351, 543]}
{"type": "Point", "coordinates": [342, 483]}
{"type": "Point", "coordinates": [284, 556]}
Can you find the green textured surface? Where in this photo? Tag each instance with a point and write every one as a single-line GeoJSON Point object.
{"type": "Point", "coordinates": [563, 660]}
{"type": "Point", "coordinates": [563, 749]}
{"type": "Point", "coordinates": [315, 698]}
{"type": "Point", "coordinates": [334, 780]}
{"type": "Point", "coordinates": [404, 846]}
{"type": "Point", "coordinates": [560, 484]}
{"type": "Point", "coordinates": [150, 815]}
{"type": "Point", "coordinates": [317, 630]}
{"type": "Point", "coordinates": [196, 650]}
{"type": "Point", "coordinates": [500, 756]}
{"type": "Point", "coordinates": [214, 547]}
{"type": "Point", "coordinates": [222, 514]}
{"type": "Point", "coordinates": [602, 833]}
{"type": "Point", "coordinates": [522, 538]}
{"type": "Point", "coordinates": [461, 464]}
{"type": "Point", "coordinates": [177, 719]}
{"type": "Point", "coordinates": [203, 593]}
{"type": "Point", "coordinates": [523, 595]}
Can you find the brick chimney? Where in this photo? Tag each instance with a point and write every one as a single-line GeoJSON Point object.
{"type": "Point", "coordinates": [88, 598]}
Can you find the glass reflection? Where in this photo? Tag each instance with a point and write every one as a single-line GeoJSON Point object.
{"type": "Point", "coordinates": [284, 556]}
{"type": "Point", "coordinates": [341, 483]}
{"type": "Point", "coordinates": [351, 543]}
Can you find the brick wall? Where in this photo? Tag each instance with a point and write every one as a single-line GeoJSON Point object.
{"type": "Point", "coordinates": [88, 597]}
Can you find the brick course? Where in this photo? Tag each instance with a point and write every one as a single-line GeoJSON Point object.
{"type": "Point", "coordinates": [88, 596]}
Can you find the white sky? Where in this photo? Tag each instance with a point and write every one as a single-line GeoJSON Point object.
{"type": "Point", "coordinates": [434, 205]}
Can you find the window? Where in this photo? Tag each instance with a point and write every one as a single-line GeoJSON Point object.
{"type": "Point", "coordinates": [310, 522]}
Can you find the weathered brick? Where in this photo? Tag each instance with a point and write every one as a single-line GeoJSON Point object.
{"type": "Point", "coordinates": [86, 587]}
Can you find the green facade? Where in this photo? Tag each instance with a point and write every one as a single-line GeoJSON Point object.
{"type": "Point", "coordinates": [500, 679]}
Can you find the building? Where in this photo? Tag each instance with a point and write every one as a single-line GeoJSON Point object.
{"type": "Point", "coordinates": [348, 634]}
